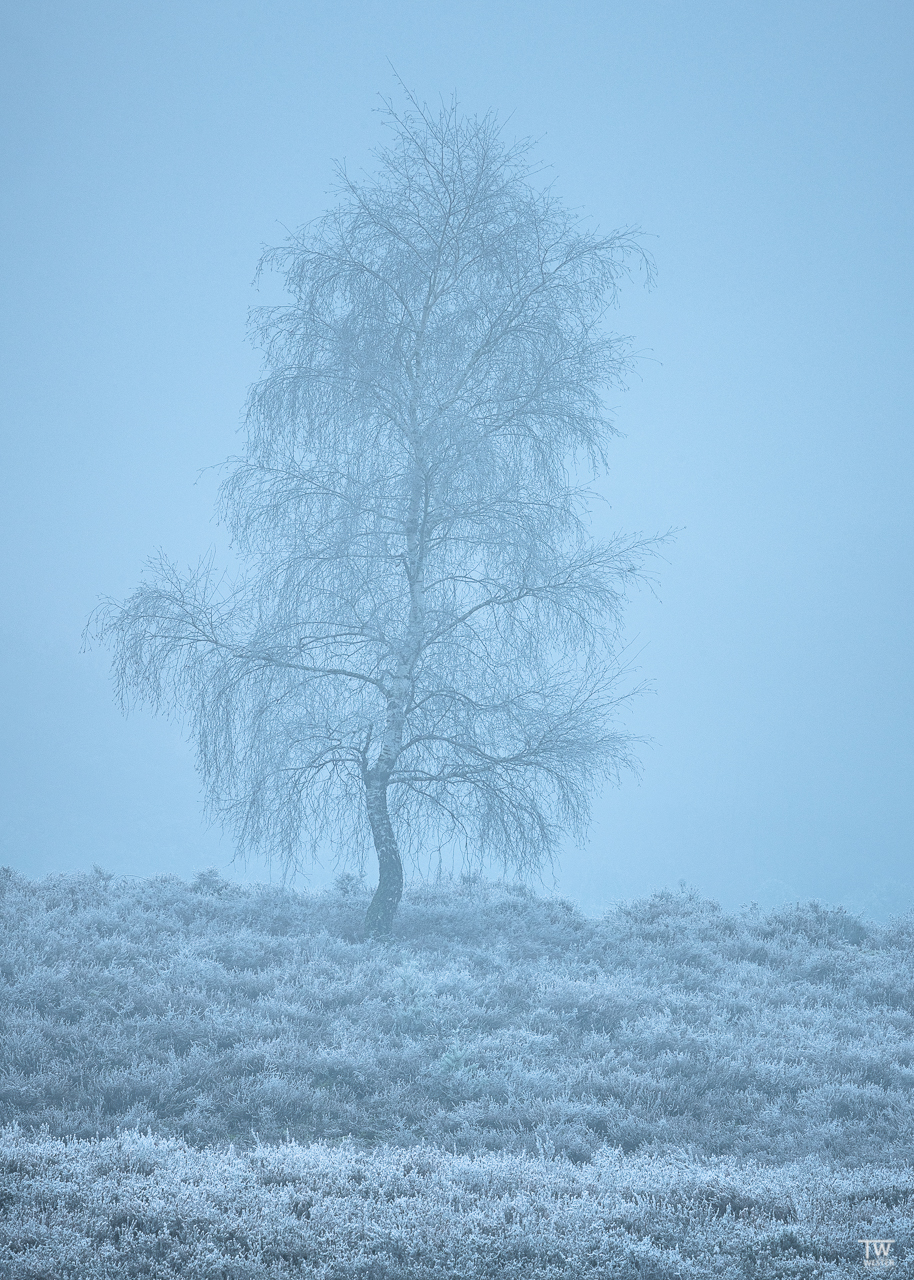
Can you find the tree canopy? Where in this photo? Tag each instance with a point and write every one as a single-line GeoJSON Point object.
{"type": "Point", "coordinates": [422, 647]}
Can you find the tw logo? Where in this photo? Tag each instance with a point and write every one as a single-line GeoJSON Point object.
{"type": "Point", "coordinates": [880, 1253]}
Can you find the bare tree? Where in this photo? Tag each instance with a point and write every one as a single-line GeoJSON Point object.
{"type": "Point", "coordinates": [424, 643]}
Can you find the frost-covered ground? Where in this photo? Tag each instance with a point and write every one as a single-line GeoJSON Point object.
{"type": "Point", "coordinates": [505, 1089]}
{"type": "Point", "coordinates": [138, 1205]}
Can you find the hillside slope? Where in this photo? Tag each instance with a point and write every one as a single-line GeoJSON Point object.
{"type": "Point", "coordinates": [493, 1021]}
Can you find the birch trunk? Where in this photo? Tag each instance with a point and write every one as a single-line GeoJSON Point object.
{"type": "Point", "coordinates": [383, 906]}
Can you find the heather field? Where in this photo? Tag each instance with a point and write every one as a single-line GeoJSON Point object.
{"type": "Point", "coordinates": [209, 1080]}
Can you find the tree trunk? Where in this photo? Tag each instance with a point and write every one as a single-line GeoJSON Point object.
{"type": "Point", "coordinates": [383, 906]}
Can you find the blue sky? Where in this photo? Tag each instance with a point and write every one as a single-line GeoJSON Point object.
{"type": "Point", "coordinates": [151, 151]}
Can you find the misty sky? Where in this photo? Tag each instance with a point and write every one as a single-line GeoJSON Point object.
{"type": "Point", "coordinates": [150, 151]}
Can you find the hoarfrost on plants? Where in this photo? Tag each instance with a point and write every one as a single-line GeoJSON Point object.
{"type": "Point", "coordinates": [138, 1204]}
{"type": "Point", "coordinates": [210, 1079]}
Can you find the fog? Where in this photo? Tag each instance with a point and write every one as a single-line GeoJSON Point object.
{"type": "Point", "coordinates": [150, 154]}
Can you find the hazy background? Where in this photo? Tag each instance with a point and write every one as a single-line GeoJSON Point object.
{"type": "Point", "coordinates": [148, 153]}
